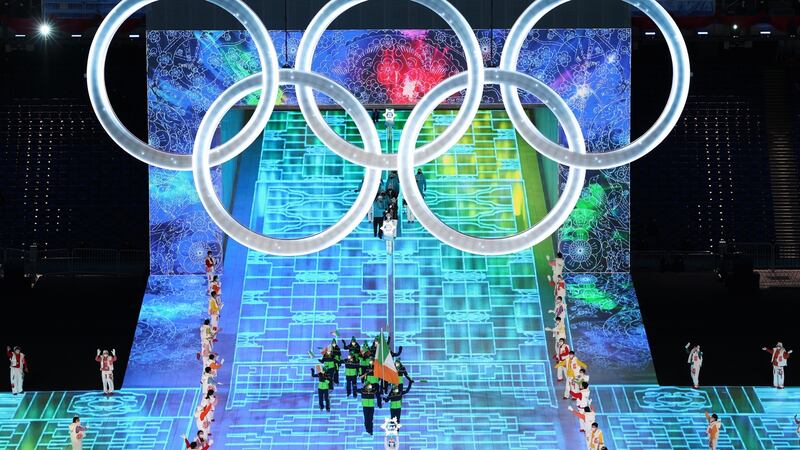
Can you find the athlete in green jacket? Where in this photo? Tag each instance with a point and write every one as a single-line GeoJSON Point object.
{"type": "Point", "coordinates": [353, 346]}
{"type": "Point", "coordinates": [351, 367]}
{"type": "Point", "coordinates": [328, 365]}
{"type": "Point", "coordinates": [323, 389]}
{"type": "Point", "coordinates": [336, 352]}
{"type": "Point", "coordinates": [395, 399]}
{"type": "Point", "coordinates": [368, 404]}
{"type": "Point", "coordinates": [365, 361]}
{"type": "Point", "coordinates": [370, 378]}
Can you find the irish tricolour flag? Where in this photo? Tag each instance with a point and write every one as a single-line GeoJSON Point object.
{"type": "Point", "coordinates": [383, 365]}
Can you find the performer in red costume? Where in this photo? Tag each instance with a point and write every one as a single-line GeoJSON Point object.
{"type": "Point", "coordinates": [779, 357]}
{"type": "Point", "coordinates": [559, 331]}
{"type": "Point", "coordinates": [18, 368]}
{"type": "Point", "coordinates": [562, 351]}
{"type": "Point", "coordinates": [107, 369]}
{"type": "Point", "coordinates": [211, 266]}
{"type": "Point", "coordinates": [557, 264]}
{"type": "Point", "coordinates": [559, 286]}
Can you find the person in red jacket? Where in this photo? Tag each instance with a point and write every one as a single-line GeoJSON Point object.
{"type": "Point", "coordinates": [107, 369]}
{"type": "Point", "coordinates": [199, 443]}
{"type": "Point", "coordinates": [18, 368]}
{"type": "Point", "coordinates": [562, 351]}
{"type": "Point", "coordinates": [211, 266]}
{"type": "Point", "coordinates": [559, 286]}
{"type": "Point", "coordinates": [779, 357]}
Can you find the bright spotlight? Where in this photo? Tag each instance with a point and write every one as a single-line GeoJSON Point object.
{"type": "Point", "coordinates": [45, 29]}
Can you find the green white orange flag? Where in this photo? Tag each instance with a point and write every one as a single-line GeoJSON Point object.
{"type": "Point", "coordinates": [383, 365]}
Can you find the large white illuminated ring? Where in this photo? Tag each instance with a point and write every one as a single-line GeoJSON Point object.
{"type": "Point", "coordinates": [95, 80]}
{"type": "Point", "coordinates": [492, 246]}
{"type": "Point", "coordinates": [641, 146]}
{"type": "Point", "coordinates": [426, 153]}
{"type": "Point", "coordinates": [242, 234]}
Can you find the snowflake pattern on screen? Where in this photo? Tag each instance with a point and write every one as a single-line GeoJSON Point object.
{"type": "Point", "coordinates": [596, 237]}
{"type": "Point", "coordinates": [606, 323]}
{"type": "Point", "coordinates": [590, 68]}
{"type": "Point", "coordinates": [167, 333]}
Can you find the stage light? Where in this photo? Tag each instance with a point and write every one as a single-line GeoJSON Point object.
{"type": "Point", "coordinates": [133, 36]}
{"type": "Point", "coordinates": [766, 33]}
{"type": "Point", "coordinates": [702, 33]}
{"type": "Point", "coordinates": [735, 27]}
{"type": "Point", "coordinates": [77, 35]}
{"type": "Point", "coordinates": [45, 29]}
{"type": "Point", "coordinates": [649, 33]}
{"type": "Point", "coordinates": [19, 35]}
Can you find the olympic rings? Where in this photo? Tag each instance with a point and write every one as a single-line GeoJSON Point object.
{"type": "Point", "coordinates": [96, 83]}
{"type": "Point", "coordinates": [249, 238]}
{"type": "Point", "coordinates": [493, 246]}
{"type": "Point", "coordinates": [426, 153]}
{"type": "Point", "coordinates": [408, 156]}
{"type": "Point", "coordinates": [679, 92]}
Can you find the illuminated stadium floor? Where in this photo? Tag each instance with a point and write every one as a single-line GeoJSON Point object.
{"type": "Point", "coordinates": [471, 326]}
{"type": "Point", "coordinates": [634, 417]}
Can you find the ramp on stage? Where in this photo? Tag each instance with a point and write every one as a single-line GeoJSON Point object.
{"type": "Point", "coordinates": [471, 326]}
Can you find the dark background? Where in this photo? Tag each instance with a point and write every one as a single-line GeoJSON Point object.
{"type": "Point", "coordinates": [100, 193]}
{"type": "Point", "coordinates": [674, 207]}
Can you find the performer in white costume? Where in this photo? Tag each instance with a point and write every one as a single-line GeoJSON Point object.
{"type": "Point", "coordinates": [779, 357]}
{"type": "Point", "coordinates": [107, 369]}
{"type": "Point", "coordinates": [586, 416]}
{"type": "Point", "coordinates": [557, 264]}
{"type": "Point", "coordinates": [573, 366]}
{"type": "Point", "coordinates": [594, 438]}
{"type": "Point", "coordinates": [409, 213]}
{"type": "Point", "coordinates": [559, 331]}
{"type": "Point", "coordinates": [695, 362]}
{"type": "Point", "coordinates": [560, 309]}
{"type": "Point", "coordinates": [215, 285]}
{"type": "Point", "coordinates": [389, 228]}
{"type": "Point", "coordinates": [76, 433]}
{"type": "Point", "coordinates": [583, 397]}
{"type": "Point", "coordinates": [18, 367]}
{"type": "Point", "coordinates": [207, 337]}
{"type": "Point", "coordinates": [559, 286]}
{"type": "Point", "coordinates": [577, 381]}
{"type": "Point", "coordinates": [214, 308]}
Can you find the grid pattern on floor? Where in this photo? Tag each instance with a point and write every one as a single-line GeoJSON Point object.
{"type": "Point", "coordinates": [470, 326]}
